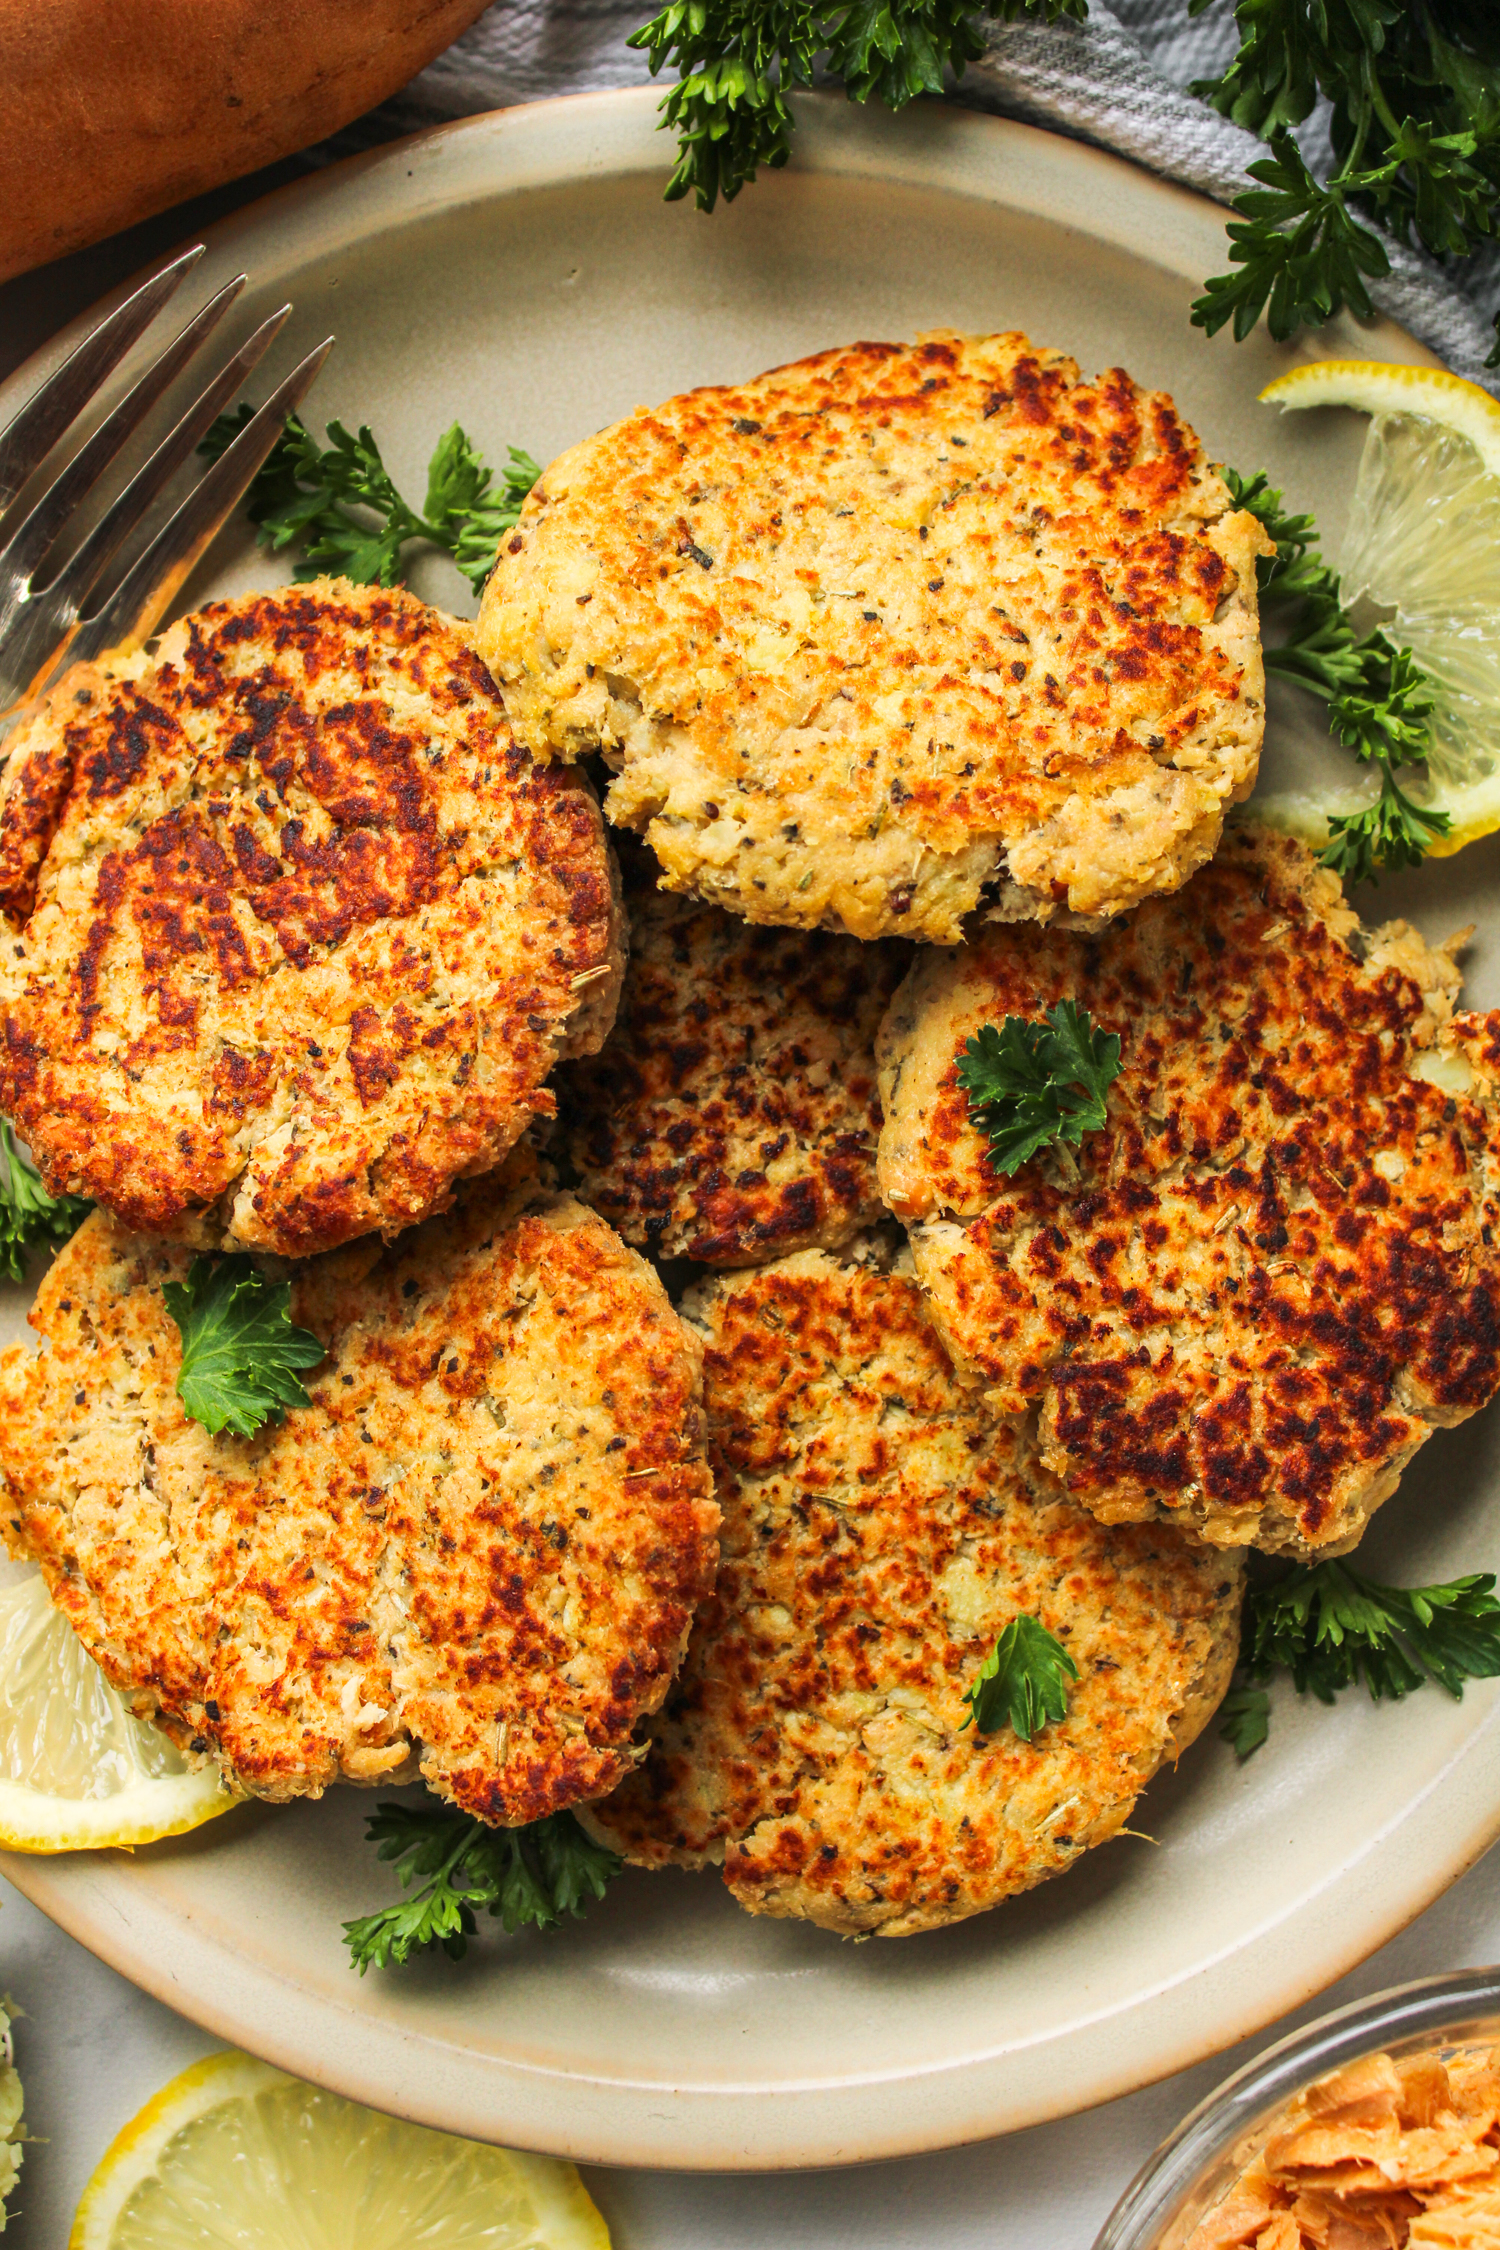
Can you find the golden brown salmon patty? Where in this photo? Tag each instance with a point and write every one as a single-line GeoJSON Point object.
{"type": "Point", "coordinates": [298, 930]}
{"type": "Point", "coordinates": [1277, 1273]}
{"type": "Point", "coordinates": [479, 1549]}
{"type": "Point", "coordinates": [732, 1115]}
{"type": "Point", "coordinates": [880, 1531]}
{"type": "Point", "coordinates": [895, 630]}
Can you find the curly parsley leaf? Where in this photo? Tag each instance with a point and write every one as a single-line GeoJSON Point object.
{"type": "Point", "coordinates": [240, 1351]}
{"type": "Point", "coordinates": [1379, 700]}
{"type": "Point", "coordinates": [1246, 1713]}
{"type": "Point", "coordinates": [1031, 1085]}
{"type": "Point", "coordinates": [476, 527]}
{"type": "Point", "coordinates": [535, 1874]}
{"type": "Point", "coordinates": [1330, 1627]}
{"type": "Point", "coordinates": [29, 1216]}
{"type": "Point", "coordinates": [339, 504]}
{"type": "Point", "coordinates": [1387, 834]}
{"type": "Point", "coordinates": [1414, 118]}
{"type": "Point", "coordinates": [1295, 571]}
{"type": "Point", "coordinates": [1023, 1682]}
{"type": "Point", "coordinates": [737, 60]}
{"type": "Point", "coordinates": [1299, 254]}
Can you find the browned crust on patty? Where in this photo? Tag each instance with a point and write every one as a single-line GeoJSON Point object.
{"type": "Point", "coordinates": [298, 930]}
{"type": "Point", "coordinates": [895, 631]}
{"type": "Point", "coordinates": [479, 1549]}
{"type": "Point", "coordinates": [732, 1115]}
{"type": "Point", "coordinates": [879, 1532]}
{"type": "Point", "coordinates": [1277, 1273]}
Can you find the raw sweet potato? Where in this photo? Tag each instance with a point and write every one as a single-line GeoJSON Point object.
{"type": "Point", "coordinates": [111, 110]}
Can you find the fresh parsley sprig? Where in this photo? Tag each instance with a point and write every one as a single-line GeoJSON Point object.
{"type": "Point", "coordinates": [240, 1351]}
{"type": "Point", "coordinates": [29, 1216]}
{"type": "Point", "coordinates": [1330, 1628]}
{"type": "Point", "coordinates": [339, 504]}
{"type": "Point", "coordinates": [1415, 123]}
{"type": "Point", "coordinates": [1299, 254]}
{"type": "Point", "coordinates": [1379, 700]}
{"type": "Point", "coordinates": [737, 60]}
{"type": "Point", "coordinates": [1246, 1713]}
{"type": "Point", "coordinates": [534, 1874]}
{"type": "Point", "coordinates": [1022, 1683]}
{"type": "Point", "coordinates": [1033, 1085]}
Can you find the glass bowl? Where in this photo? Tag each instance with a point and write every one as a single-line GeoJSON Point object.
{"type": "Point", "coordinates": [1194, 2167]}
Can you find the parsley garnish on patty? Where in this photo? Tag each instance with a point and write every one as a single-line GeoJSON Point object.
{"type": "Point", "coordinates": [1034, 1085]}
{"type": "Point", "coordinates": [240, 1351]}
{"type": "Point", "coordinates": [1023, 1682]}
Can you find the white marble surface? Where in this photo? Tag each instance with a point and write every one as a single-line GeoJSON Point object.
{"type": "Point", "coordinates": [92, 2050]}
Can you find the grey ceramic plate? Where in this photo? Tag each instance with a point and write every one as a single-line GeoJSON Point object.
{"type": "Point", "coordinates": [521, 272]}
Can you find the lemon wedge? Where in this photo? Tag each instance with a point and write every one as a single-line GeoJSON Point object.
{"type": "Point", "coordinates": [1423, 546]}
{"type": "Point", "coordinates": [77, 1770]}
{"type": "Point", "coordinates": [236, 2152]}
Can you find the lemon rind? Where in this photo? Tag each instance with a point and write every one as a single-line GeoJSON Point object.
{"type": "Point", "coordinates": [203, 2086]}
{"type": "Point", "coordinates": [34, 1822]}
{"type": "Point", "coordinates": [1375, 387]}
{"type": "Point", "coordinates": [566, 2215]}
{"type": "Point", "coordinates": [1474, 813]}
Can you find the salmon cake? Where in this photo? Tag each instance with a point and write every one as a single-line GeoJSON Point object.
{"type": "Point", "coordinates": [297, 930]}
{"type": "Point", "coordinates": [894, 633]}
{"type": "Point", "coordinates": [880, 1531]}
{"type": "Point", "coordinates": [732, 1115]}
{"type": "Point", "coordinates": [1272, 1273]}
{"type": "Point", "coordinates": [476, 1554]}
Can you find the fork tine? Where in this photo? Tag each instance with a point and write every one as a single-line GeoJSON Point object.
{"type": "Point", "coordinates": [36, 533]}
{"type": "Point", "coordinates": [77, 578]}
{"type": "Point", "coordinates": [34, 630]}
{"type": "Point", "coordinates": [30, 436]}
{"type": "Point", "coordinates": [144, 594]}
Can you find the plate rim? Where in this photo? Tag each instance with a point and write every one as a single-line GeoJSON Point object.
{"type": "Point", "coordinates": [1050, 181]}
{"type": "Point", "coordinates": [733, 2127]}
{"type": "Point", "coordinates": [843, 2118]}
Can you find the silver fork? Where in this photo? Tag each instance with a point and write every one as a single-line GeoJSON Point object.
{"type": "Point", "coordinates": [76, 613]}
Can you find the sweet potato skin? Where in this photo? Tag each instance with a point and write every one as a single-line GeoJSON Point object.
{"type": "Point", "coordinates": [110, 114]}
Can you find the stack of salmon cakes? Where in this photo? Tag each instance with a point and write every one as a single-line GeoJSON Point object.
{"type": "Point", "coordinates": [298, 934]}
{"type": "Point", "coordinates": [702, 1406]}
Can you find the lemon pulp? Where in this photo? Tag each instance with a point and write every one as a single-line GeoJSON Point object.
{"type": "Point", "coordinates": [234, 2155]}
{"type": "Point", "coordinates": [77, 1769]}
{"type": "Point", "coordinates": [1422, 548]}
{"type": "Point", "coordinates": [1423, 541]}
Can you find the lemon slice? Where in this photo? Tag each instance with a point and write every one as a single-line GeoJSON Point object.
{"type": "Point", "coordinates": [1422, 545]}
{"type": "Point", "coordinates": [236, 2153]}
{"type": "Point", "coordinates": [77, 1770]}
